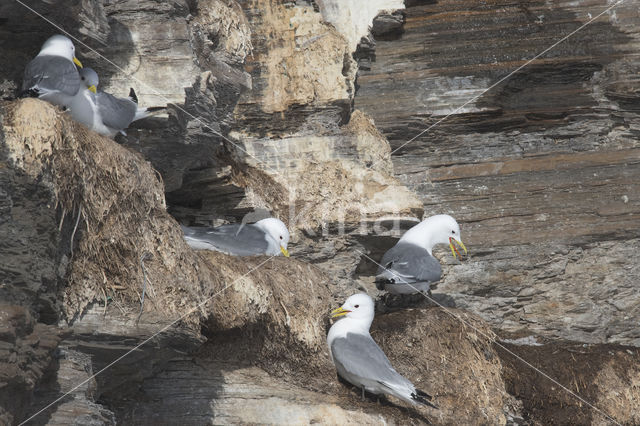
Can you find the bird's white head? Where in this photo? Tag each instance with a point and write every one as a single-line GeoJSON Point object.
{"type": "Point", "coordinates": [438, 229]}
{"type": "Point", "coordinates": [89, 79]}
{"type": "Point", "coordinates": [359, 307]}
{"type": "Point", "coordinates": [277, 232]}
{"type": "Point", "coordinates": [59, 45]}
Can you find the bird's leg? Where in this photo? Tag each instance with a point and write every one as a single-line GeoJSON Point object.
{"type": "Point", "coordinates": [428, 295]}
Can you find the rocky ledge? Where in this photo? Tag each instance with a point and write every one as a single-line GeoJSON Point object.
{"type": "Point", "coordinates": [304, 109]}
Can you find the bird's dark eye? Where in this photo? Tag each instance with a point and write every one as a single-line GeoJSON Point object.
{"type": "Point", "coordinates": [82, 78]}
{"type": "Point", "coordinates": [453, 232]}
{"type": "Point", "coordinates": [357, 306]}
{"type": "Point", "coordinates": [280, 236]}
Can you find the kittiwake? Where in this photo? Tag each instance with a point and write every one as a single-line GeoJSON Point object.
{"type": "Point", "coordinates": [360, 361]}
{"type": "Point", "coordinates": [409, 267]}
{"type": "Point", "coordinates": [106, 114]}
{"type": "Point", "coordinates": [267, 236]}
{"type": "Point", "coordinates": [52, 75]}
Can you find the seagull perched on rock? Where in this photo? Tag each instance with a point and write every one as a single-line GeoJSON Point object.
{"type": "Point", "coordinates": [267, 236]}
{"type": "Point", "coordinates": [102, 112]}
{"type": "Point", "coordinates": [52, 75]}
{"type": "Point", "coordinates": [360, 361]}
{"type": "Point", "coordinates": [409, 267]}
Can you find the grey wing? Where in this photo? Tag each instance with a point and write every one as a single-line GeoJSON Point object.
{"type": "Point", "coordinates": [235, 239]}
{"type": "Point", "coordinates": [359, 355]}
{"type": "Point", "coordinates": [408, 263]}
{"type": "Point", "coordinates": [52, 73]}
{"type": "Point", "coordinates": [116, 113]}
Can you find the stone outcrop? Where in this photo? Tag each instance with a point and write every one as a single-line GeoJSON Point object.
{"type": "Point", "coordinates": [27, 348]}
{"type": "Point", "coordinates": [541, 170]}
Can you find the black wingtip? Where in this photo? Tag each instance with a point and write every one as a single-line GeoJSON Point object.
{"type": "Point", "coordinates": [155, 109]}
{"type": "Point", "coordinates": [423, 398]}
{"type": "Point", "coordinates": [132, 95]}
{"type": "Point", "coordinates": [29, 93]}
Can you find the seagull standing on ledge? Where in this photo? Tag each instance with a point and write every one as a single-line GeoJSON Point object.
{"type": "Point", "coordinates": [409, 267]}
{"type": "Point", "coordinates": [52, 75]}
{"type": "Point", "coordinates": [360, 361]}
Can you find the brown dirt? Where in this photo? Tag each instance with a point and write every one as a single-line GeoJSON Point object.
{"type": "Point", "coordinates": [447, 359]}
{"type": "Point", "coordinates": [607, 376]}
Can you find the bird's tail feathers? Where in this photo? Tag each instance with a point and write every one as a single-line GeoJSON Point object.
{"type": "Point", "coordinates": [156, 109]}
{"type": "Point", "coordinates": [132, 95]}
{"type": "Point", "coordinates": [145, 112]}
{"type": "Point", "coordinates": [423, 398]}
{"type": "Point", "coordinates": [407, 392]}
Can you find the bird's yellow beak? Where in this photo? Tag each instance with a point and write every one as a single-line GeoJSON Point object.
{"type": "Point", "coordinates": [284, 251]}
{"type": "Point", "coordinates": [77, 62]}
{"type": "Point", "coordinates": [454, 250]}
{"type": "Point", "coordinates": [92, 88]}
{"type": "Point", "coordinates": [339, 312]}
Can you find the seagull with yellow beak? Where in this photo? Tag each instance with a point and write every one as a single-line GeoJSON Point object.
{"type": "Point", "coordinates": [101, 111]}
{"type": "Point", "coordinates": [358, 358]}
{"type": "Point", "coordinates": [83, 107]}
{"type": "Point", "coordinates": [409, 267]}
{"type": "Point", "coordinates": [268, 236]}
{"type": "Point", "coordinates": [52, 75]}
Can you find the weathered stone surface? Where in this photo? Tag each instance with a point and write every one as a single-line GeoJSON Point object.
{"type": "Point", "coordinates": [229, 391]}
{"type": "Point", "coordinates": [71, 376]}
{"type": "Point", "coordinates": [326, 179]}
{"type": "Point", "coordinates": [230, 395]}
{"type": "Point", "coordinates": [353, 18]}
{"type": "Point", "coordinates": [149, 42]}
{"type": "Point", "coordinates": [541, 170]}
{"type": "Point", "coordinates": [296, 124]}
{"type": "Point", "coordinates": [289, 44]}
{"type": "Point", "coordinates": [26, 351]}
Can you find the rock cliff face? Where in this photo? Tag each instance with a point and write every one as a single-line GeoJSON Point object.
{"type": "Point", "coordinates": [542, 167]}
{"type": "Point", "coordinates": [349, 122]}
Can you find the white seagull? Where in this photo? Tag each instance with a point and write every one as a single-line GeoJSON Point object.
{"type": "Point", "coordinates": [360, 361]}
{"type": "Point", "coordinates": [52, 75]}
{"type": "Point", "coordinates": [409, 267]}
{"type": "Point", "coordinates": [101, 111]}
{"type": "Point", "coordinates": [267, 236]}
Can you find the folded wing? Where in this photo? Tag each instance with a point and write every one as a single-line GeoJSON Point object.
{"type": "Point", "coordinates": [116, 113]}
{"type": "Point", "coordinates": [408, 263]}
{"type": "Point", "coordinates": [361, 358]}
{"type": "Point", "coordinates": [234, 239]}
{"type": "Point", "coordinates": [48, 74]}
